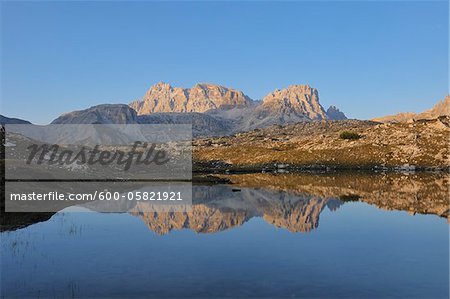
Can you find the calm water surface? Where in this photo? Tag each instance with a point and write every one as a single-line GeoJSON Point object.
{"type": "Point", "coordinates": [257, 242]}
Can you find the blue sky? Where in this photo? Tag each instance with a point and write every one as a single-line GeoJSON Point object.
{"type": "Point", "coordinates": [368, 58]}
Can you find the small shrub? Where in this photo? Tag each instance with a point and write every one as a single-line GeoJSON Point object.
{"type": "Point", "coordinates": [349, 135]}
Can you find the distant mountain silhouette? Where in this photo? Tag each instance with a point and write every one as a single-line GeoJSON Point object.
{"type": "Point", "coordinates": [7, 120]}
{"type": "Point", "coordinates": [442, 108]}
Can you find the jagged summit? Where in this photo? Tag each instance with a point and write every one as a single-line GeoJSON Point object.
{"type": "Point", "coordinates": [162, 97]}
{"type": "Point", "coordinates": [440, 109]}
{"type": "Point", "coordinates": [335, 114]}
{"type": "Point", "coordinates": [299, 100]}
{"type": "Point", "coordinates": [293, 104]}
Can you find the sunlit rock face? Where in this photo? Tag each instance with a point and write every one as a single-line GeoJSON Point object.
{"type": "Point", "coordinates": [440, 109]}
{"type": "Point", "coordinates": [297, 103]}
{"type": "Point", "coordinates": [232, 108]}
{"type": "Point", "coordinates": [300, 100]}
{"type": "Point", "coordinates": [211, 109]}
{"type": "Point", "coordinates": [162, 97]}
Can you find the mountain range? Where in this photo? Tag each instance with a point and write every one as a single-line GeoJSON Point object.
{"type": "Point", "coordinates": [211, 109]}
{"type": "Point", "coordinates": [215, 110]}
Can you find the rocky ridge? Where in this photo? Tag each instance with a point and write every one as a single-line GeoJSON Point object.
{"type": "Point", "coordinates": [100, 114]}
{"type": "Point", "coordinates": [8, 120]}
{"type": "Point", "coordinates": [417, 145]}
{"type": "Point", "coordinates": [442, 108]}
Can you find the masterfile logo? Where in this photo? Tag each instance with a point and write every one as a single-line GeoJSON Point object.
{"type": "Point", "coordinates": [107, 167]}
{"type": "Point", "coordinates": [98, 152]}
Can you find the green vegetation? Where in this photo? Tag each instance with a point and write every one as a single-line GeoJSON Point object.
{"type": "Point", "coordinates": [349, 135]}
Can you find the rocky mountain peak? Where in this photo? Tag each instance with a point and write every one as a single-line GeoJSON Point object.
{"type": "Point", "coordinates": [440, 109]}
{"type": "Point", "coordinates": [292, 90]}
{"type": "Point", "coordinates": [160, 86]}
{"type": "Point", "coordinates": [302, 100]}
{"type": "Point", "coordinates": [203, 97]}
{"type": "Point", "coordinates": [335, 114]}
{"type": "Point", "coordinates": [301, 88]}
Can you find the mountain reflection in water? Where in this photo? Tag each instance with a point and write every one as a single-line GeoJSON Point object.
{"type": "Point", "coordinates": [229, 245]}
{"type": "Point", "coordinates": [222, 208]}
{"type": "Point", "coordinates": [290, 201]}
{"type": "Point", "coordinates": [295, 201]}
